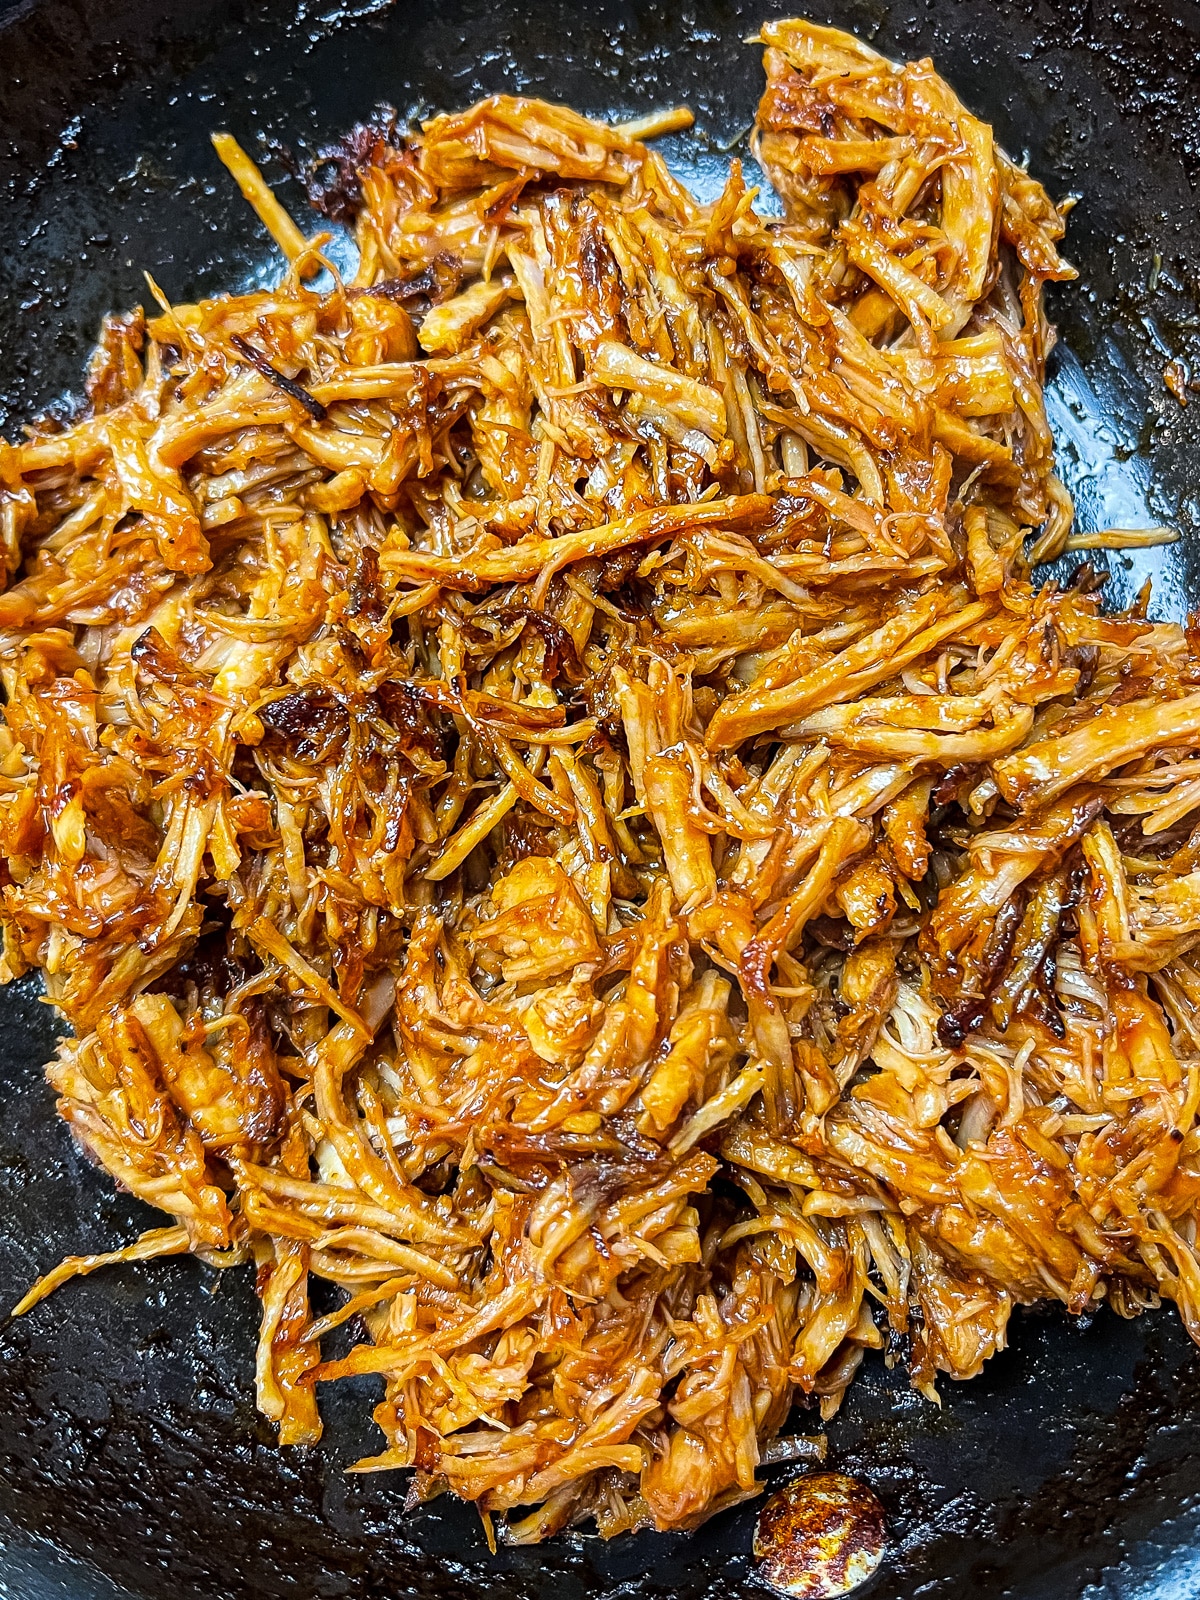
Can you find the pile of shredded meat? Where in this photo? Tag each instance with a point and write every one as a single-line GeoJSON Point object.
{"type": "Point", "coordinates": [542, 786]}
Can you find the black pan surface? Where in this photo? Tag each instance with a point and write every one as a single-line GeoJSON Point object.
{"type": "Point", "coordinates": [132, 1463]}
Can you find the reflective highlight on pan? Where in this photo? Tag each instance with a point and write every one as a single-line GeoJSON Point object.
{"type": "Point", "coordinates": [821, 1535]}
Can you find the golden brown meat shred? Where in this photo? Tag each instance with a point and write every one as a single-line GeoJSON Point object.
{"type": "Point", "coordinates": [539, 780]}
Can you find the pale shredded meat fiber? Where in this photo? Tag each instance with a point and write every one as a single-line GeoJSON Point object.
{"type": "Point", "coordinates": [540, 782]}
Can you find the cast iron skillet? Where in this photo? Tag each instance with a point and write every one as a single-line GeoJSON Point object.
{"type": "Point", "coordinates": [132, 1463]}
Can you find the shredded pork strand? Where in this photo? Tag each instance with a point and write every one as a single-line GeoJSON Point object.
{"type": "Point", "coordinates": [541, 785]}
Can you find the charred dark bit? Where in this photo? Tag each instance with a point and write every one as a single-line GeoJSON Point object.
{"type": "Point", "coordinates": [559, 655]}
{"type": "Point", "coordinates": [366, 600]}
{"type": "Point", "coordinates": [1088, 579]}
{"type": "Point", "coordinates": [1041, 1002]}
{"type": "Point", "coordinates": [952, 784]}
{"type": "Point", "coordinates": [404, 710]}
{"type": "Point", "coordinates": [290, 387]}
{"type": "Point", "coordinates": [997, 953]}
{"type": "Point", "coordinates": [964, 1017]}
{"type": "Point", "coordinates": [438, 280]}
{"type": "Point", "coordinates": [524, 837]}
{"type": "Point", "coordinates": [1085, 658]}
{"type": "Point", "coordinates": [152, 655]}
{"type": "Point", "coordinates": [334, 178]}
{"type": "Point", "coordinates": [310, 722]}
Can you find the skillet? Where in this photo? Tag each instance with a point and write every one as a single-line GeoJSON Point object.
{"type": "Point", "coordinates": [132, 1463]}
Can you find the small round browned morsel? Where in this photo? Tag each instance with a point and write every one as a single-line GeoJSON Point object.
{"type": "Point", "coordinates": [821, 1535]}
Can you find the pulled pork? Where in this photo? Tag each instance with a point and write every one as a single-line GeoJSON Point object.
{"type": "Point", "coordinates": [541, 784]}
